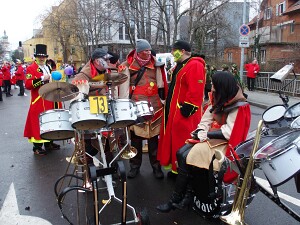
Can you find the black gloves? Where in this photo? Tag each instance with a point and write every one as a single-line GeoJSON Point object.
{"type": "Point", "coordinates": [216, 134]}
{"type": "Point", "coordinates": [188, 109]}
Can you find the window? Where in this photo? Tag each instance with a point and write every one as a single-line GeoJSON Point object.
{"type": "Point", "coordinates": [73, 50]}
{"type": "Point", "coordinates": [55, 50]}
{"type": "Point", "coordinates": [292, 27]}
{"type": "Point", "coordinates": [229, 56]}
{"type": "Point", "coordinates": [263, 56]}
{"type": "Point", "coordinates": [280, 8]}
{"type": "Point", "coordinates": [121, 36]}
{"type": "Point", "coordinates": [268, 13]}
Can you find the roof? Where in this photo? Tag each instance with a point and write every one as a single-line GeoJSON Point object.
{"type": "Point", "coordinates": [293, 8]}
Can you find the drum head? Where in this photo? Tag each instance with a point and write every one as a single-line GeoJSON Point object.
{"type": "Point", "coordinates": [278, 145]}
{"type": "Point", "coordinates": [292, 112]}
{"type": "Point", "coordinates": [273, 113]}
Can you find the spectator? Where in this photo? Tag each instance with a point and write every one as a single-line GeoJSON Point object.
{"type": "Point", "coordinates": [7, 78]}
{"type": "Point", "coordinates": [20, 77]}
{"type": "Point", "coordinates": [252, 71]}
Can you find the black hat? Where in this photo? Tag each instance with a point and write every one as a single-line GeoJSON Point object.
{"type": "Point", "coordinates": [100, 53]}
{"type": "Point", "coordinates": [115, 57]}
{"type": "Point", "coordinates": [180, 44]}
{"type": "Point", "coordinates": [40, 50]}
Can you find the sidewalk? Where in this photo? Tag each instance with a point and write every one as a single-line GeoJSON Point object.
{"type": "Point", "coordinates": [267, 99]}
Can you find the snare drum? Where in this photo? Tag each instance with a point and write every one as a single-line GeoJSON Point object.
{"type": "Point", "coordinates": [292, 112]}
{"type": "Point", "coordinates": [122, 113]}
{"type": "Point", "coordinates": [55, 125]}
{"type": "Point", "coordinates": [83, 119]}
{"type": "Point", "coordinates": [279, 159]}
{"type": "Point", "coordinates": [296, 123]}
{"type": "Point", "coordinates": [144, 111]}
{"type": "Point", "coordinates": [244, 149]}
{"type": "Point", "coordinates": [273, 117]}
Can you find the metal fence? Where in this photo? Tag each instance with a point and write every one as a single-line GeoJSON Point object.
{"type": "Point", "coordinates": [263, 82]}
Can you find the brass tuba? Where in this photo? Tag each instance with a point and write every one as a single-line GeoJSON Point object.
{"type": "Point", "coordinates": [236, 217]}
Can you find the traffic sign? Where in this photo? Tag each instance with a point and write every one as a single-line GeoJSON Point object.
{"type": "Point", "coordinates": [244, 42]}
{"type": "Point", "coordinates": [244, 30]}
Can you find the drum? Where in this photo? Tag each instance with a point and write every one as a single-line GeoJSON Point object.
{"type": "Point", "coordinates": [279, 159]}
{"type": "Point", "coordinates": [244, 149]}
{"type": "Point", "coordinates": [144, 111]}
{"type": "Point", "coordinates": [82, 119]}
{"type": "Point", "coordinates": [122, 113]}
{"type": "Point", "coordinates": [55, 125]}
{"type": "Point", "coordinates": [273, 117]}
{"type": "Point", "coordinates": [296, 123]}
{"type": "Point", "coordinates": [292, 112]}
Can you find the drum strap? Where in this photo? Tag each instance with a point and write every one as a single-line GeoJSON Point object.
{"type": "Point", "coordinates": [139, 76]}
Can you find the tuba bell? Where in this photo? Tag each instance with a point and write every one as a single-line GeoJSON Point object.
{"type": "Point", "coordinates": [236, 217]}
{"type": "Point", "coordinates": [129, 152]}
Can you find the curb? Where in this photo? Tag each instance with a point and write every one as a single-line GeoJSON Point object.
{"type": "Point", "coordinates": [257, 104]}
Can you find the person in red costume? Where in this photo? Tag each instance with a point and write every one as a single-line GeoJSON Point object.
{"type": "Point", "coordinates": [38, 74]}
{"type": "Point", "coordinates": [6, 78]}
{"type": "Point", "coordinates": [1, 83]}
{"type": "Point", "coordinates": [183, 106]}
{"type": "Point", "coordinates": [252, 70]}
{"type": "Point", "coordinates": [20, 77]}
{"type": "Point", "coordinates": [151, 87]}
{"type": "Point", "coordinates": [224, 125]}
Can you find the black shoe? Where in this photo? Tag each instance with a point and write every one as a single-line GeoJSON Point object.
{"type": "Point", "coordinates": [172, 175]}
{"type": "Point", "coordinates": [20, 95]}
{"type": "Point", "coordinates": [1, 99]}
{"type": "Point", "coordinates": [133, 172]}
{"type": "Point", "coordinates": [167, 207]}
{"type": "Point", "coordinates": [158, 173]}
{"type": "Point", "coordinates": [39, 151]}
{"type": "Point", "coordinates": [55, 146]}
{"type": "Point", "coordinates": [8, 95]}
{"type": "Point", "coordinates": [185, 202]}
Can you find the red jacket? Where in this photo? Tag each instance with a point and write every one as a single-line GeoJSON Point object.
{"type": "Point", "coordinates": [1, 78]}
{"type": "Point", "coordinates": [6, 72]}
{"type": "Point", "coordinates": [20, 73]}
{"type": "Point", "coordinates": [252, 70]}
{"type": "Point", "coordinates": [189, 88]}
{"type": "Point", "coordinates": [37, 103]}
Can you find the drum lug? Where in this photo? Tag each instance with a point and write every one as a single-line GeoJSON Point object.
{"type": "Point", "coordinates": [271, 164]}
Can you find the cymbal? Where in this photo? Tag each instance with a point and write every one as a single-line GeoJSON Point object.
{"type": "Point", "coordinates": [58, 91]}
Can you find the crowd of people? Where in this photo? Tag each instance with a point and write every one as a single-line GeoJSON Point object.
{"type": "Point", "coordinates": [190, 100]}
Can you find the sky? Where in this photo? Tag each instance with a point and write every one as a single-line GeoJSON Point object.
{"type": "Point", "coordinates": [19, 17]}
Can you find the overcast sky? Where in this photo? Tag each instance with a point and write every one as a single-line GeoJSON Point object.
{"type": "Point", "coordinates": [19, 17]}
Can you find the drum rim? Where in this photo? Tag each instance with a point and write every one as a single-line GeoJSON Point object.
{"type": "Point", "coordinates": [273, 121]}
{"type": "Point", "coordinates": [78, 100]}
{"type": "Point", "coordinates": [277, 153]}
{"type": "Point", "coordinates": [298, 103]}
{"type": "Point", "coordinates": [54, 110]}
{"type": "Point", "coordinates": [121, 100]}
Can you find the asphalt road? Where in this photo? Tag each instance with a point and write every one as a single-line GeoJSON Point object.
{"type": "Point", "coordinates": [27, 182]}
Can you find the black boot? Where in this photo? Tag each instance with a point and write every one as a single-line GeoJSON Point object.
{"type": "Point", "coordinates": [158, 173]}
{"type": "Point", "coordinates": [186, 201]}
{"type": "Point", "coordinates": [167, 207]}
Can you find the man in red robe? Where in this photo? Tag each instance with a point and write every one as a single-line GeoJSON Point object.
{"type": "Point", "coordinates": [38, 74]}
{"type": "Point", "coordinates": [183, 106]}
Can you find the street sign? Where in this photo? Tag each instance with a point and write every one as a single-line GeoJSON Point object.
{"type": "Point", "coordinates": [244, 42]}
{"type": "Point", "coordinates": [244, 30]}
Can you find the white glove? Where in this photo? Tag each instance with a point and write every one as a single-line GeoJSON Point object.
{"type": "Point", "coordinates": [202, 135]}
{"type": "Point", "coordinates": [163, 101]}
{"type": "Point", "coordinates": [83, 87]}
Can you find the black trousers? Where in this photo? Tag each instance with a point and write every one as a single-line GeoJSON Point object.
{"type": "Point", "coordinates": [20, 83]}
{"type": "Point", "coordinates": [1, 94]}
{"type": "Point", "coordinates": [137, 142]}
{"type": "Point", "coordinates": [250, 83]}
{"type": "Point", "coordinates": [7, 86]}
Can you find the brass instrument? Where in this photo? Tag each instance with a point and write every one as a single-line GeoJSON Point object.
{"type": "Point", "coordinates": [236, 217]}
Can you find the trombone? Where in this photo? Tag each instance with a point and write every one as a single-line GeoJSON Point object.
{"type": "Point", "coordinates": [236, 217]}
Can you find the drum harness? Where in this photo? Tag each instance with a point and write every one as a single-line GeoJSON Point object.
{"type": "Point", "coordinates": [139, 76]}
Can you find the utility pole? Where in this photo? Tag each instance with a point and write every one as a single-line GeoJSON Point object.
{"type": "Point", "coordinates": [256, 30]}
{"type": "Point", "coordinates": [243, 49]}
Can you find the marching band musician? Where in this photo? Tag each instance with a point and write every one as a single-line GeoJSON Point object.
{"type": "Point", "coordinates": [91, 82]}
{"type": "Point", "coordinates": [224, 124]}
{"type": "Point", "coordinates": [38, 74]}
{"type": "Point", "coordinates": [147, 82]}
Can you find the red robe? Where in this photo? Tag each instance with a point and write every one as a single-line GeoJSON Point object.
{"type": "Point", "coordinates": [37, 103]}
{"type": "Point", "coordinates": [189, 88]}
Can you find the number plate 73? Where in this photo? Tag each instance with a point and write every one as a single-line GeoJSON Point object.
{"type": "Point", "coordinates": [98, 104]}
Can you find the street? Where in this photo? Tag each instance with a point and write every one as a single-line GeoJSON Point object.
{"type": "Point", "coordinates": [27, 181]}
